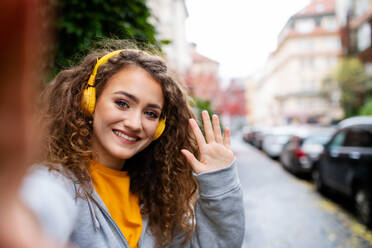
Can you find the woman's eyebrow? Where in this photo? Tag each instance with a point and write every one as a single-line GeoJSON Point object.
{"type": "Point", "coordinates": [154, 106]}
{"type": "Point", "coordinates": [135, 99]}
{"type": "Point", "coordinates": [132, 97]}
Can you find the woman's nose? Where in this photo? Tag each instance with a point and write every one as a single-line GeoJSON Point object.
{"type": "Point", "coordinates": [133, 120]}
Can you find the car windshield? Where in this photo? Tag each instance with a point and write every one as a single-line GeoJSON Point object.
{"type": "Point", "coordinates": [282, 138]}
{"type": "Point", "coordinates": [318, 139]}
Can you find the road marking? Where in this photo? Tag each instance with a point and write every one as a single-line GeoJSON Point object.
{"type": "Point", "coordinates": [328, 206]}
{"type": "Point", "coordinates": [357, 230]}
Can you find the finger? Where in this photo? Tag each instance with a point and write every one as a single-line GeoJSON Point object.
{"type": "Point", "coordinates": [217, 129]}
{"type": "Point", "coordinates": [226, 138]}
{"type": "Point", "coordinates": [197, 133]}
{"type": "Point", "coordinates": [195, 164]}
{"type": "Point", "coordinates": [208, 130]}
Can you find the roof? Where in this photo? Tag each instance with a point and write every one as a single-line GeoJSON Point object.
{"type": "Point", "coordinates": [313, 9]}
{"type": "Point", "coordinates": [197, 57]}
{"type": "Point", "coordinates": [317, 7]}
{"type": "Point", "coordinates": [358, 120]}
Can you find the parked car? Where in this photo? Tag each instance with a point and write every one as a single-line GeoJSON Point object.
{"type": "Point", "coordinates": [255, 136]}
{"type": "Point", "coordinates": [346, 164]}
{"type": "Point", "coordinates": [300, 153]}
{"type": "Point", "coordinates": [248, 133]}
{"type": "Point", "coordinates": [314, 144]}
{"type": "Point", "coordinates": [274, 141]}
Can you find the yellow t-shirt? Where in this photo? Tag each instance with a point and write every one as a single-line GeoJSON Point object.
{"type": "Point", "coordinates": [113, 188]}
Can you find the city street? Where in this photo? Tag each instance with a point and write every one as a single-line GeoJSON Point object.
{"type": "Point", "coordinates": [283, 211]}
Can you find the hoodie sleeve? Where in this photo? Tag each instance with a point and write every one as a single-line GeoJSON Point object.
{"type": "Point", "coordinates": [51, 197]}
{"type": "Point", "coordinates": [219, 211]}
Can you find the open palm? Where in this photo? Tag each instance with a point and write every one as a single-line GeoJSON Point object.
{"type": "Point", "coordinates": [215, 149]}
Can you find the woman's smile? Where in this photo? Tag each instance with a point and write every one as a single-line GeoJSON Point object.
{"type": "Point", "coordinates": [126, 136]}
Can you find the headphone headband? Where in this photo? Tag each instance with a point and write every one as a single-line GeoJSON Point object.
{"type": "Point", "coordinates": [101, 61]}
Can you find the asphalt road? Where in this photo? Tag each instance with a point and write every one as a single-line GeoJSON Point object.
{"type": "Point", "coordinates": [283, 211]}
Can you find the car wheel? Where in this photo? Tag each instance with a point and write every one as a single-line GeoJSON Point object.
{"type": "Point", "coordinates": [318, 181]}
{"type": "Point", "coordinates": [363, 206]}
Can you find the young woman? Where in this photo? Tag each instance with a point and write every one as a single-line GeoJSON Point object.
{"type": "Point", "coordinates": [126, 165]}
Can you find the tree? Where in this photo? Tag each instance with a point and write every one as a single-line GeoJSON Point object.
{"type": "Point", "coordinates": [80, 23]}
{"type": "Point", "coordinates": [198, 106]}
{"type": "Point", "coordinates": [367, 107]}
{"type": "Point", "coordinates": [353, 81]}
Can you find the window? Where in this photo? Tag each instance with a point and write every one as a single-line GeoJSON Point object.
{"type": "Point", "coordinates": [361, 7]}
{"type": "Point", "coordinates": [332, 43]}
{"type": "Point", "coordinates": [305, 26]}
{"type": "Point", "coordinates": [329, 23]}
{"type": "Point", "coordinates": [364, 37]}
{"type": "Point", "coordinates": [358, 137]}
{"type": "Point", "coordinates": [305, 45]}
{"type": "Point", "coordinates": [338, 140]}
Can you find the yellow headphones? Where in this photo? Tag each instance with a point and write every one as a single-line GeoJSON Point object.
{"type": "Point", "coordinates": [88, 101]}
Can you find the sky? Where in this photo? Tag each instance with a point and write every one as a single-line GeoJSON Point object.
{"type": "Point", "coordinates": [239, 34]}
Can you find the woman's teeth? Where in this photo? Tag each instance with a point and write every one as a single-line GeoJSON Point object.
{"type": "Point", "coordinates": [120, 134]}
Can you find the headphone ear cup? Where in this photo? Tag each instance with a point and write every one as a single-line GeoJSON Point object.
{"type": "Point", "coordinates": [159, 129]}
{"type": "Point", "coordinates": [88, 102]}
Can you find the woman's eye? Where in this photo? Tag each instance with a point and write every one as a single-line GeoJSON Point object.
{"type": "Point", "coordinates": [151, 114]}
{"type": "Point", "coordinates": [122, 104]}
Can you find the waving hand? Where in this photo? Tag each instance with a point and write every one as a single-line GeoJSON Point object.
{"type": "Point", "coordinates": [215, 150]}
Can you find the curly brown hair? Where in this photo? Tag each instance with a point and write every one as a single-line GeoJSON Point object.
{"type": "Point", "coordinates": [160, 175]}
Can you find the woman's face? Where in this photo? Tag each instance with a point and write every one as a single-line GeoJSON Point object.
{"type": "Point", "coordinates": [126, 116]}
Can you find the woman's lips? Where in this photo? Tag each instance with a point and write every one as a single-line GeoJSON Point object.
{"type": "Point", "coordinates": [126, 135]}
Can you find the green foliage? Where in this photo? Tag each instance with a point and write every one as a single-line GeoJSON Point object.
{"type": "Point", "coordinates": [199, 105]}
{"type": "Point", "coordinates": [350, 71]}
{"type": "Point", "coordinates": [352, 79]}
{"type": "Point", "coordinates": [367, 108]}
{"type": "Point", "coordinates": [80, 23]}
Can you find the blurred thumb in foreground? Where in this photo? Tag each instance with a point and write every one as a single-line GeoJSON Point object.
{"type": "Point", "coordinates": [20, 27]}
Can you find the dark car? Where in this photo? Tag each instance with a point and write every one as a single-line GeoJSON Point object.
{"type": "Point", "coordinates": [300, 153]}
{"type": "Point", "coordinates": [248, 133]}
{"type": "Point", "coordinates": [254, 136]}
{"type": "Point", "coordinates": [346, 164]}
{"type": "Point", "coordinates": [257, 138]}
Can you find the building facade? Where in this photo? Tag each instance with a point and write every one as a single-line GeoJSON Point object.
{"type": "Point", "coordinates": [291, 88]}
{"type": "Point", "coordinates": [355, 17]}
{"type": "Point", "coordinates": [202, 78]}
{"type": "Point", "coordinates": [169, 17]}
{"type": "Point", "coordinates": [233, 107]}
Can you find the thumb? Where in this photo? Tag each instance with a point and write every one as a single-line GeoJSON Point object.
{"type": "Point", "coordinates": [195, 164]}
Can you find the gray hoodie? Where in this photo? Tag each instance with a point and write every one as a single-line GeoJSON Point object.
{"type": "Point", "coordinates": [86, 223]}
